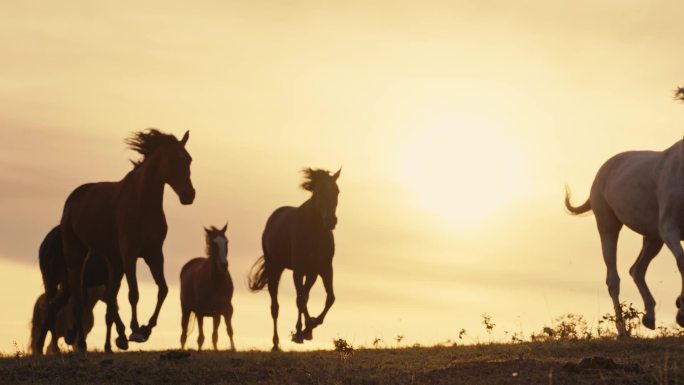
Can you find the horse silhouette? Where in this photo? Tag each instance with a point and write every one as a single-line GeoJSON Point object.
{"type": "Point", "coordinates": [123, 221]}
{"type": "Point", "coordinates": [643, 190]}
{"type": "Point", "coordinates": [207, 289]}
{"type": "Point", "coordinates": [300, 239]}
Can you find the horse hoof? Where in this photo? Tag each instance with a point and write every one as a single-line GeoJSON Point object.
{"type": "Point", "coordinates": [680, 318]}
{"type": "Point", "coordinates": [122, 343]}
{"type": "Point", "coordinates": [297, 338]}
{"type": "Point", "coordinates": [137, 337]}
{"type": "Point", "coordinates": [648, 321]}
{"type": "Point", "coordinates": [108, 349]}
{"type": "Point", "coordinates": [275, 348]}
{"type": "Point", "coordinates": [307, 334]}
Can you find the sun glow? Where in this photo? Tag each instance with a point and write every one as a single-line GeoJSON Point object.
{"type": "Point", "coordinates": [464, 172]}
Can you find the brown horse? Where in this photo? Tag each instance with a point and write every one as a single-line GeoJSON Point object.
{"type": "Point", "coordinates": [123, 221]}
{"type": "Point", "coordinates": [65, 321]}
{"type": "Point", "coordinates": [207, 289]}
{"type": "Point", "coordinates": [300, 239]}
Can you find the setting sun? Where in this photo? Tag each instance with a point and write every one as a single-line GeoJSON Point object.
{"type": "Point", "coordinates": [464, 171]}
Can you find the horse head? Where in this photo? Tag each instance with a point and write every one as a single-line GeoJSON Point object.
{"type": "Point", "coordinates": [217, 246]}
{"type": "Point", "coordinates": [324, 194]}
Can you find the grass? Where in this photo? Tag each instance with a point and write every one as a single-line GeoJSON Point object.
{"type": "Point", "coordinates": [633, 361]}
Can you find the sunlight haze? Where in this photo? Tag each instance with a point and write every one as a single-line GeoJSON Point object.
{"type": "Point", "coordinates": [456, 124]}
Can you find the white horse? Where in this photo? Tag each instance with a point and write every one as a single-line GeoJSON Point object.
{"type": "Point", "coordinates": [643, 190]}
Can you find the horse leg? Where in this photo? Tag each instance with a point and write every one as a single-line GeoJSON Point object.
{"type": "Point", "coordinates": [309, 281]}
{"type": "Point", "coordinates": [185, 319]}
{"type": "Point", "coordinates": [228, 316]}
{"type": "Point", "coordinates": [327, 277]}
{"type": "Point", "coordinates": [200, 337]}
{"type": "Point", "coordinates": [156, 264]}
{"type": "Point", "coordinates": [133, 297]}
{"type": "Point", "coordinates": [112, 312]}
{"type": "Point", "coordinates": [214, 334]}
{"type": "Point", "coordinates": [298, 279]}
{"type": "Point", "coordinates": [53, 348]}
{"type": "Point", "coordinates": [671, 235]}
{"type": "Point", "coordinates": [651, 247]}
{"type": "Point", "coordinates": [78, 292]}
{"type": "Point", "coordinates": [273, 281]}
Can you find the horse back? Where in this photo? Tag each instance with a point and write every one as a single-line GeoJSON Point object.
{"type": "Point", "coordinates": [89, 217]}
{"type": "Point", "coordinates": [637, 185]}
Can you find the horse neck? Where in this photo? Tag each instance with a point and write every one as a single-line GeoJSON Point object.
{"type": "Point", "coordinates": [213, 271]}
{"type": "Point", "coordinates": [148, 185]}
{"type": "Point", "coordinates": [312, 218]}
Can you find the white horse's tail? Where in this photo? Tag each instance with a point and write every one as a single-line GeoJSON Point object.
{"type": "Point", "coordinates": [585, 207]}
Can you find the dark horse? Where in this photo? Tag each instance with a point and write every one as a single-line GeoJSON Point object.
{"type": "Point", "coordinates": [207, 289]}
{"type": "Point", "coordinates": [54, 273]}
{"type": "Point", "coordinates": [123, 221]}
{"type": "Point", "coordinates": [301, 239]}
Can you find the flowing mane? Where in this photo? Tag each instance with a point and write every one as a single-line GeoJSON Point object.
{"type": "Point", "coordinates": [312, 177]}
{"type": "Point", "coordinates": [146, 142]}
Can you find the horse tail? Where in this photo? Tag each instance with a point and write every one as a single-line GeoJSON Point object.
{"type": "Point", "coordinates": [257, 275]}
{"type": "Point", "coordinates": [583, 208]}
{"type": "Point", "coordinates": [37, 321]}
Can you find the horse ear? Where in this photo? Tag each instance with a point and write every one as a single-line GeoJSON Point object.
{"type": "Point", "coordinates": [185, 138]}
{"type": "Point", "coordinates": [223, 230]}
{"type": "Point", "coordinates": [206, 230]}
{"type": "Point", "coordinates": [337, 174]}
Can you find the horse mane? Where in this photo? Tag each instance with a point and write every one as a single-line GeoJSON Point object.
{"type": "Point", "coordinates": [312, 177]}
{"type": "Point", "coordinates": [146, 142]}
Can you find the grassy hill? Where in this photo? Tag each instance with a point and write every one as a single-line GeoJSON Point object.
{"type": "Point", "coordinates": [635, 361]}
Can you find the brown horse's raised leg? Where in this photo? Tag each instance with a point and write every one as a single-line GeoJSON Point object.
{"type": "Point", "coordinates": [214, 334]}
{"type": "Point", "coordinates": [229, 326]}
{"type": "Point", "coordinates": [327, 277]}
{"type": "Point", "coordinates": [185, 319]}
{"type": "Point", "coordinates": [273, 281]}
{"type": "Point", "coordinates": [156, 265]}
{"type": "Point", "coordinates": [200, 337]}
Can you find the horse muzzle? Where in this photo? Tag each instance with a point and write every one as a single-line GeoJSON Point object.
{"type": "Point", "coordinates": [187, 196]}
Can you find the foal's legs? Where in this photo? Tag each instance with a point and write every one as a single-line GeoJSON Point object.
{"type": "Point", "coordinates": [54, 305]}
{"type": "Point", "coordinates": [650, 249]}
{"type": "Point", "coordinates": [273, 281]}
{"type": "Point", "coordinates": [200, 337]}
{"type": "Point", "coordinates": [229, 326]}
{"type": "Point", "coordinates": [671, 234]}
{"type": "Point", "coordinates": [185, 319]}
{"type": "Point", "coordinates": [214, 334]}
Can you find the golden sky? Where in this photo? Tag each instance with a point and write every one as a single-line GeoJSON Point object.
{"type": "Point", "coordinates": [457, 124]}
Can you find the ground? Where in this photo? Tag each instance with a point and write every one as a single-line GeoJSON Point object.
{"type": "Point", "coordinates": [637, 361]}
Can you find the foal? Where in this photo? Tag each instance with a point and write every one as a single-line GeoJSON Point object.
{"type": "Point", "coordinates": [65, 319]}
{"type": "Point", "coordinates": [207, 289]}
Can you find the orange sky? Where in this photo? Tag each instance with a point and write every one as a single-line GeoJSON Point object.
{"type": "Point", "coordinates": [457, 124]}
